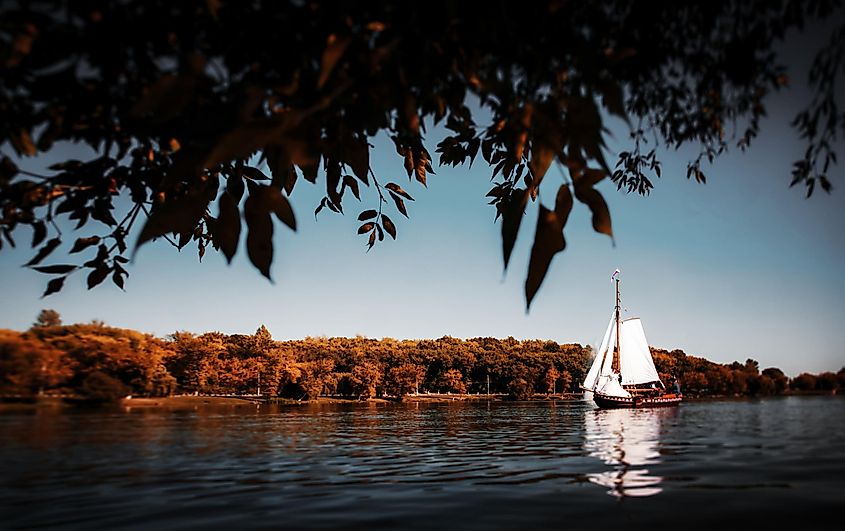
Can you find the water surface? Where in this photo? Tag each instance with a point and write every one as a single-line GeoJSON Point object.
{"type": "Point", "coordinates": [463, 465]}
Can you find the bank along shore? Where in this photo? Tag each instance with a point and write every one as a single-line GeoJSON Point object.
{"type": "Point", "coordinates": [212, 401]}
{"type": "Point", "coordinates": [22, 403]}
{"type": "Point", "coordinates": [201, 401]}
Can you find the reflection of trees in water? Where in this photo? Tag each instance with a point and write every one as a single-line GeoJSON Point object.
{"type": "Point", "coordinates": [628, 441]}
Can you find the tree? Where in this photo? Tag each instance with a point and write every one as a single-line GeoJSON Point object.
{"type": "Point", "coordinates": [48, 318]}
{"type": "Point", "coordinates": [550, 379]}
{"type": "Point", "coordinates": [189, 106]}
{"type": "Point", "coordinates": [803, 382]}
{"type": "Point", "coordinates": [403, 379]}
{"type": "Point", "coordinates": [366, 377]}
{"type": "Point", "coordinates": [452, 381]}
{"type": "Point", "coordinates": [779, 379]}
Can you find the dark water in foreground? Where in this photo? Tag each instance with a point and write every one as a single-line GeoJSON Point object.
{"type": "Point", "coordinates": [427, 466]}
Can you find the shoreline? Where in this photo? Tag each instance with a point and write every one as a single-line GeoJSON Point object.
{"type": "Point", "coordinates": [22, 403]}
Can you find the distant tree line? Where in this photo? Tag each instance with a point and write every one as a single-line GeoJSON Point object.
{"type": "Point", "coordinates": [100, 363]}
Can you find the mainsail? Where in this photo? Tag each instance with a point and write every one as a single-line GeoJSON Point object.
{"type": "Point", "coordinates": [635, 360]}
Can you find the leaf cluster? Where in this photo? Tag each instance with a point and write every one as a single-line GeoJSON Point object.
{"type": "Point", "coordinates": [203, 114]}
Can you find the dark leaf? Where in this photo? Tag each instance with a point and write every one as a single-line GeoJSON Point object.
{"type": "Point", "coordinates": [333, 52]}
{"type": "Point", "coordinates": [358, 158]}
{"type": "Point", "coordinates": [23, 144]}
{"type": "Point", "coordinates": [366, 227]}
{"type": "Point", "coordinates": [39, 232]}
{"type": "Point", "coordinates": [371, 241]}
{"type": "Point", "coordinates": [284, 174]}
{"type": "Point", "coordinates": [179, 216]}
{"type": "Point", "coordinates": [227, 230]}
{"type": "Point", "coordinates": [541, 159]}
{"type": "Point", "coordinates": [117, 279]}
{"type": "Point", "coordinates": [59, 269]}
{"type": "Point", "coordinates": [548, 241]}
{"type": "Point", "coordinates": [83, 243]}
{"type": "Point", "coordinates": [259, 239]}
{"type": "Point", "coordinates": [253, 173]}
{"type": "Point", "coordinates": [400, 205]}
{"type": "Point", "coordinates": [512, 209]}
{"type": "Point", "coordinates": [309, 171]}
{"type": "Point", "coordinates": [388, 226]}
{"type": "Point", "coordinates": [235, 187]}
{"type": "Point", "coordinates": [396, 189]}
{"type": "Point", "coordinates": [367, 214]}
{"type": "Point", "coordinates": [601, 215]}
{"type": "Point", "coordinates": [332, 182]}
{"type": "Point", "coordinates": [614, 99]}
{"type": "Point", "coordinates": [55, 285]}
{"type": "Point", "coordinates": [273, 200]}
{"type": "Point", "coordinates": [349, 181]}
{"type": "Point", "coordinates": [320, 207]}
{"type": "Point", "coordinates": [98, 275]}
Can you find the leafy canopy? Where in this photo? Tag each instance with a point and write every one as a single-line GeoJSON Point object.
{"type": "Point", "coordinates": [194, 107]}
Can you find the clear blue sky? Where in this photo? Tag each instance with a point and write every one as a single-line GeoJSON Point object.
{"type": "Point", "coordinates": [742, 267]}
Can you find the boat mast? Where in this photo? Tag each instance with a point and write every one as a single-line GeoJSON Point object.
{"type": "Point", "coordinates": [614, 365]}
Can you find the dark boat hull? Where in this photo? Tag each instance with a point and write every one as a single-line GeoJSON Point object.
{"type": "Point", "coordinates": [615, 402]}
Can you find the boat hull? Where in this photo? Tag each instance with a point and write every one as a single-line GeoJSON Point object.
{"type": "Point", "coordinates": [616, 402]}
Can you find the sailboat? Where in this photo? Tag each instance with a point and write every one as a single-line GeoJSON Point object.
{"type": "Point", "coordinates": [623, 373]}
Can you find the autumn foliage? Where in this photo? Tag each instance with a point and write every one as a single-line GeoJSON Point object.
{"type": "Point", "coordinates": [99, 363]}
{"type": "Point", "coordinates": [202, 116]}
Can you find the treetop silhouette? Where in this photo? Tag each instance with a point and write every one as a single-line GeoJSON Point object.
{"type": "Point", "coordinates": [202, 107]}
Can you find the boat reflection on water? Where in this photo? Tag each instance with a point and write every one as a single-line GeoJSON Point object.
{"type": "Point", "coordinates": [628, 441]}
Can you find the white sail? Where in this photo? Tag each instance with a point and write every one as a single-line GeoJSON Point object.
{"type": "Point", "coordinates": [609, 385]}
{"type": "Point", "coordinates": [593, 373]}
{"type": "Point", "coordinates": [607, 366]}
{"type": "Point", "coordinates": [635, 361]}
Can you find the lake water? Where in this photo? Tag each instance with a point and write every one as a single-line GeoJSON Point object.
{"type": "Point", "coordinates": [457, 465]}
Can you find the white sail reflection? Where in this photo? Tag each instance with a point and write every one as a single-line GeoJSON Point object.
{"type": "Point", "coordinates": [628, 441]}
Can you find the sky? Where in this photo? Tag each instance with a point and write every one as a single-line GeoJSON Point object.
{"type": "Point", "coordinates": [740, 267]}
